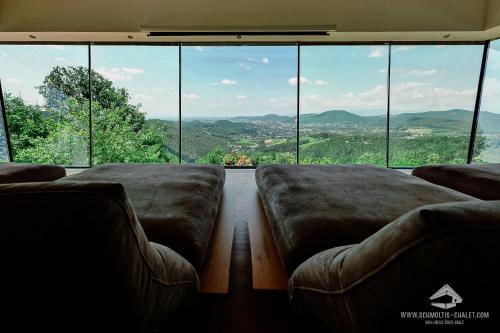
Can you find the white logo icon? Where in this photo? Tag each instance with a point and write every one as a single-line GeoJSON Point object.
{"type": "Point", "coordinates": [446, 290]}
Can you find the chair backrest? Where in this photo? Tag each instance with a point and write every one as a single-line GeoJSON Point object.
{"type": "Point", "coordinates": [75, 258]}
{"type": "Point", "coordinates": [408, 266]}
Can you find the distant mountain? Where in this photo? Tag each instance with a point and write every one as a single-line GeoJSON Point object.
{"type": "Point", "coordinates": [267, 117]}
{"type": "Point", "coordinates": [334, 116]}
{"type": "Point", "coordinates": [454, 120]}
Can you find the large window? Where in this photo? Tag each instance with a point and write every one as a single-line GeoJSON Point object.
{"type": "Point", "coordinates": [239, 104]}
{"type": "Point", "coordinates": [343, 111]}
{"type": "Point", "coordinates": [135, 105]}
{"type": "Point", "coordinates": [487, 143]}
{"type": "Point", "coordinates": [47, 102]}
{"type": "Point", "coordinates": [433, 91]}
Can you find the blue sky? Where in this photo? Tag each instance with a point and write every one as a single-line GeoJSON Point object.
{"type": "Point", "coordinates": [257, 80]}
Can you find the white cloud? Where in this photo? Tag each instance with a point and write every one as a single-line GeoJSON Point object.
{"type": "Point", "coordinates": [57, 47]}
{"type": "Point", "coordinates": [241, 97]}
{"type": "Point", "coordinates": [244, 65]}
{"type": "Point", "coordinates": [491, 95]}
{"type": "Point", "coordinates": [61, 59]}
{"type": "Point", "coordinates": [382, 71]}
{"type": "Point", "coordinates": [320, 82]}
{"type": "Point", "coordinates": [228, 82]}
{"type": "Point", "coordinates": [373, 98]}
{"type": "Point", "coordinates": [283, 103]}
{"type": "Point", "coordinates": [190, 96]}
{"type": "Point", "coordinates": [119, 74]}
{"type": "Point", "coordinates": [376, 53]}
{"type": "Point", "coordinates": [293, 81]}
{"type": "Point", "coordinates": [265, 60]}
{"type": "Point", "coordinates": [250, 59]}
{"type": "Point", "coordinates": [403, 48]}
{"type": "Point", "coordinates": [199, 48]}
{"type": "Point", "coordinates": [142, 97]}
{"type": "Point", "coordinates": [13, 80]}
{"type": "Point", "coordinates": [426, 96]}
{"type": "Point", "coordinates": [129, 70]}
{"type": "Point", "coordinates": [422, 72]}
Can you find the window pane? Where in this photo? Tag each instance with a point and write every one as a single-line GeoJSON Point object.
{"type": "Point", "coordinates": [239, 104]}
{"type": "Point", "coordinates": [487, 144]}
{"type": "Point", "coordinates": [135, 107]}
{"type": "Point", "coordinates": [433, 91]}
{"type": "Point", "coordinates": [46, 101]}
{"type": "Point", "coordinates": [343, 98]}
{"type": "Point", "coordinates": [4, 150]}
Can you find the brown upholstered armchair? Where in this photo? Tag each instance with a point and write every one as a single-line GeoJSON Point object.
{"type": "Point", "coordinates": [367, 286]}
{"type": "Point", "coordinates": [75, 258]}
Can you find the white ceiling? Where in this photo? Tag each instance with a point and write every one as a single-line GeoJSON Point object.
{"type": "Point", "coordinates": [356, 20]}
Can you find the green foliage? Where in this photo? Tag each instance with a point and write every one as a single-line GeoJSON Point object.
{"type": "Point", "coordinates": [58, 132]}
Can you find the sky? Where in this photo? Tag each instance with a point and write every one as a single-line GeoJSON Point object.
{"type": "Point", "coordinates": [227, 81]}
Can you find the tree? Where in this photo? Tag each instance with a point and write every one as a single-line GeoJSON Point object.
{"type": "Point", "coordinates": [58, 131]}
{"type": "Point", "coordinates": [72, 82]}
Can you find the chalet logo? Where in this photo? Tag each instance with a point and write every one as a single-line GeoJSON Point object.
{"type": "Point", "coordinates": [446, 290]}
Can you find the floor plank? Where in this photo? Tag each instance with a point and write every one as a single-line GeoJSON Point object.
{"type": "Point", "coordinates": [214, 278]}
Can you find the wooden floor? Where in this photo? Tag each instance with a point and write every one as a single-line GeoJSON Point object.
{"type": "Point", "coordinates": [245, 309]}
{"type": "Point", "coordinates": [241, 205]}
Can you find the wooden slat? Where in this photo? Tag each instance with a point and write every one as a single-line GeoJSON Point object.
{"type": "Point", "coordinates": [214, 277]}
{"type": "Point", "coordinates": [268, 272]}
{"type": "Point", "coordinates": [241, 201]}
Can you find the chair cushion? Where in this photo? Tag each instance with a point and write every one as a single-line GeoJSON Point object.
{"type": "Point", "coordinates": [24, 173]}
{"type": "Point", "coordinates": [478, 180]}
{"type": "Point", "coordinates": [175, 204]}
{"type": "Point", "coordinates": [75, 257]}
{"type": "Point", "coordinates": [312, 208]}
{"type": "Point", "coordinates": [365, 287]}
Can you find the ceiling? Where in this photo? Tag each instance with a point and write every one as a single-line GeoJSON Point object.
{"type": "Point", "coordinates": [355, 20]}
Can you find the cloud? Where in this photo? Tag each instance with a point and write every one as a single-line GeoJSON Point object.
{"type": "Point", "coordinates": [13, 80]}
{"type": "Point", "coordinates": [241, 97]}
{"type": "Point", "coordinates": [265, 60]}
{"type": "Point", "coordinates": [190, 96]}
{"type": "Point", "coordinates": [61, 59]}
{"type": "Point", "coordinates": [250, 59]}
{"type": "Point", "coordinates": [57, 47]}
{"type": "Point", "coordinates": [142, 97]}
{"type": "Point", "coordinates": [373, 98]}
{"type": "Point", "coordinates": [422, 72]}
{"type": "Point", "coordinates": [227, 82]}
{"type": "Point", "coordinates": [382, 71]}
{"type": "Point", "coordinates": [119, 74]}
{"type": "Point", "coordinates": [129, 70]}
{"type": "Point", "coordinates": [288, 103]}
{"type": "Point", "coordinates": [376, 53]}
{"type": "Point", "coordinates": [199, 48]}
{"type": "Point", "coordinates": [426, 96]}
{"type": "Point", "coordinates": [320, 82]}
{"type": "Point", "coordinates": [293, 81]}
{"type": "Point", "coordinates": [403, 48]}
{"type": "Point", "coordinates": [244, 65]}
{"type": "Point", "coordinates": [490, 100]}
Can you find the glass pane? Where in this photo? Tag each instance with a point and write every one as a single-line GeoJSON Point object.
{"type": "Point", "coordinates": [487, 144]}
{"type": "Point", "coordinates": [46, 101]}
{"type": "Point", "coordinates": [433, 91]}
{"type": "Point", "coordinates": [239, 104]}
{"type": "Point", "coordinates": [343, 98]}
{"type": "Point", "coordinates": [135, 104]}
{"type": "Point", "coordinates": [4, 150]}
